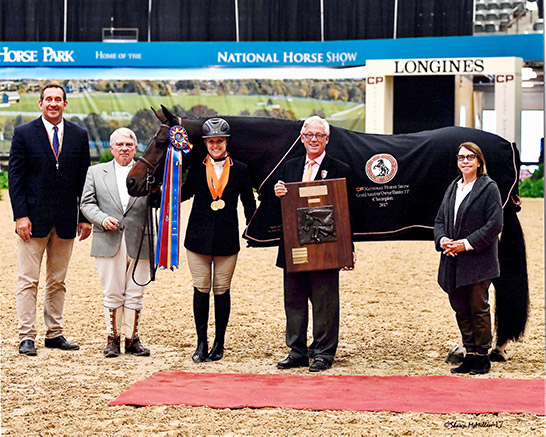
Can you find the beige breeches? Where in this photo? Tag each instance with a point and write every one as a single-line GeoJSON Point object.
{"type": "Point", "coordinates": [209, 270]}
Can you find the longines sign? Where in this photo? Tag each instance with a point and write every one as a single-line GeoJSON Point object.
{"type": "Point", "coordinates": [424, 67]}
{"type": "Point", "coordinates": [438, 66]}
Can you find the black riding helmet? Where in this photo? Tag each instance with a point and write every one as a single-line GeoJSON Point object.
{"type": "Point", "coordinates": [215, 127]}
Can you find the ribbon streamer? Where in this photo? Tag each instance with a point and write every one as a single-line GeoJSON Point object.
{"type": "Point", "coordinates": [167, 251]}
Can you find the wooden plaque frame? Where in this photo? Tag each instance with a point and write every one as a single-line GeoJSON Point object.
{"type": "Point", "coordinates": [330, 194]}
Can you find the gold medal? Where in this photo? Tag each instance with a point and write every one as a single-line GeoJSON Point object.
{"type": "Point", "coordinates": [220, 204]}
{"type": "Point", "coordinates": [214, 205]}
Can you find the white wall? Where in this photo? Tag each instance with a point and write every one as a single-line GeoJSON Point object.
{"type": "Point", "coordinates": [532, 130]}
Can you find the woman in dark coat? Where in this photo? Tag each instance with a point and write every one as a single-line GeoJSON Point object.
{"type": "Point", "coordinates": [212, 236]}
{"type": "Point", "coordinates": [466, 231]}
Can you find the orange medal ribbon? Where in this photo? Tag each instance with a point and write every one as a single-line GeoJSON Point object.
{"type": "Point", "coordinates": [217, 186]}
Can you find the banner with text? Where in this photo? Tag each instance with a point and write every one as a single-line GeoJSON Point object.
{"type": "Point", "coordinates": [261, 54]}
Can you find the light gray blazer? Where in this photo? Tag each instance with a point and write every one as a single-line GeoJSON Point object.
{"type": "Point", "coordinates": [100, 199]}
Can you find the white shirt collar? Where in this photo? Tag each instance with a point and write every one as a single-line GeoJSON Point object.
{"type": "Point", "coordinates": [318, 159]}
{"type": "Point", "coordinates": [467, 187]}
{"type": "Point", "coordinates": [49, 126]}
{"type": "Point", "coordinates": [126, 167]}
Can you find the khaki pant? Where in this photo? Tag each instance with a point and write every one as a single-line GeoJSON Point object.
{"type": "Point", "coordinates": [29, 263]}
{"type": "Point", "coordinates": [116, 275]}
{"type": "Point", "coordinates": [207, 270]}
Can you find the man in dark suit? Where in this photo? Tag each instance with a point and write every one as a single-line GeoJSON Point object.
{"type": "Point", "coordinates": [320, 287]}
{"type": "Point", "coordinates": [48, 162]}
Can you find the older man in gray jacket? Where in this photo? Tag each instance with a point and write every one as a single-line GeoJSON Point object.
{"type": "Point", "coordinates": [118, 220]}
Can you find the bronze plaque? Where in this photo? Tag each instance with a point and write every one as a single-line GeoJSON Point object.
{"type": "Point", "coordinates": [316, 226]}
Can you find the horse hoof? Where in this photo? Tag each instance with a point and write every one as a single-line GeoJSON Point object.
{"type": "Point", "coordinates": [498, 356]}
{"type": "Point", "coordinates": [456, 355]}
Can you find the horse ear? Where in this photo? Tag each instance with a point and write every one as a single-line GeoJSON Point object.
{"type": "Point", "coordinates": [159, 115]}
{"type": "Point", "coordinates": [173, 119]}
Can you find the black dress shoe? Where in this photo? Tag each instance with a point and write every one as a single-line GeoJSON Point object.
{"type": "Point", "coordinates": [319, 365]}
{"type": "Point", "coordinates": [26, 347]}
{"type": "Point", "coordinates": [60, 343]}
{"type": "Point", "coordinates": [290, 362]}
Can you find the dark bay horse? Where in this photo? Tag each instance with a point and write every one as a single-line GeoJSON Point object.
{"type": "Point", "coordinates": [398, 204]}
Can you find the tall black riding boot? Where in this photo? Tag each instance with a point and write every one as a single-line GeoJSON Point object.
{"type": "Point", "coordinates": [222, 306]}
{"type": "Point", "coordinates": [201, 315]}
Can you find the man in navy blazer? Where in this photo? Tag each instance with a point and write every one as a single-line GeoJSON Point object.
{"type": "Point", "coordinates": [48, 162]}
{"type": "Point", "coordinates": [320, 287]}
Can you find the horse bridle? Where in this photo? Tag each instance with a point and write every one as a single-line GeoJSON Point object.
{"type": "Point", "coordinates": [149, 224]}
{"type": "Point", "coordinates": [151, 168]}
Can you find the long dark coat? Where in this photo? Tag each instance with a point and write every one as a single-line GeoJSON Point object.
{"type": "Point", "coordinates": [216, 232]}
{"type": "Point", "coordinates": [479, 220]}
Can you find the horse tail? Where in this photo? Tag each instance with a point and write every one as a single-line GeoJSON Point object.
{"type": "Point", "coordinates": [512, 287]}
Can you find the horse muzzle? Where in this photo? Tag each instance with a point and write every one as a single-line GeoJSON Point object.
{"type": "Point", "coordinates": [134, 188]}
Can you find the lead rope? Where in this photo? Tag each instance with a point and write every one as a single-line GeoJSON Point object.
{"type": "Point", "coordinates": [148, 229]}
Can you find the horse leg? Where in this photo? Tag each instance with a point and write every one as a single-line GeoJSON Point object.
{"type": "Point", "coordinates": [512, 287]}
{"type": "Point", "coordinates": [457, 354]}
{"type": "Point", "coordinates": [498, 353]}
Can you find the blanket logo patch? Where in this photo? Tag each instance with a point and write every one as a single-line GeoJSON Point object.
{"type": "Point", "coordinates": [381, 168]}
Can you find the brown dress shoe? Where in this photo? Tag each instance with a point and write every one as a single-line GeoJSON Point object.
{"type": "Point", "coordinates": [134, 347]}
{"type": "Point", "coordinates": [112, 349]}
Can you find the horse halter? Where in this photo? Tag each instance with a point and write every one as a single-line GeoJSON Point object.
{"type": "Point", "coordinates": [150, 167]}
{"type": "Point", "coordinates": [148, 228]}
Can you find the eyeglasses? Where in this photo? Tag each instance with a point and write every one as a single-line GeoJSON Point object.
{"type": "Point", "coordinates": [469, 158]}
{"type": "Point", "coordinates": [317, 136]}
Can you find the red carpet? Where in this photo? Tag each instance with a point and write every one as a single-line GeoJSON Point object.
{"type": "Point", "coordinates": [423, 394]}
